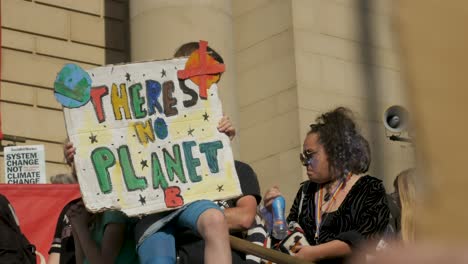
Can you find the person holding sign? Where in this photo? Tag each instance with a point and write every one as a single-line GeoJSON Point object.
{"type": "Point", "coordinates": [203, 217]}
{"type": "Point", "coordinates": [239, 212]}
{"type": "Point", "coordinates": [337, 207]}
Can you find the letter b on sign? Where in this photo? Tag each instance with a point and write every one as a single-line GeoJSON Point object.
{"type": "Point", "coordinates": [172, 197]}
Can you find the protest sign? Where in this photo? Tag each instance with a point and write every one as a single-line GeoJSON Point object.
{"type": "Point", "coordinates": [25, 164]}
{"type": "Point", "coordinates": [146, 140]}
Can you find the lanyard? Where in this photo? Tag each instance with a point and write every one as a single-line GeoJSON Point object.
{"type": "Point", "coordinates": [318, 205]}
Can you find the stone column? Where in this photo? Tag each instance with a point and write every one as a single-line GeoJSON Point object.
{"type": "Point", "coordinates": [159, 27]}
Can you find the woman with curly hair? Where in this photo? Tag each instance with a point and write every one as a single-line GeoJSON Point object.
{"type": "Point", "coordinates": [338, 207]}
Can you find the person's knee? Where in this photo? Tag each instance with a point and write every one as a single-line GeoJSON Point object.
{"type": "Point", "coordinates": [212, 221]}
{"type": "Point", "coordinates": [158, 248]}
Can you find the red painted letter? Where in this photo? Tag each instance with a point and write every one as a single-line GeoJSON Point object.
{"type": "Point", "coordinates": [96, 98]}
{"type": "Point", "coordinates": [172, 197]}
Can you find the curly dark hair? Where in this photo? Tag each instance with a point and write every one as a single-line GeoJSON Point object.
{"type": "Point", "coordinates": [347, 150]}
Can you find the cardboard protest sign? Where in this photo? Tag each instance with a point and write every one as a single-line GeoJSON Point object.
{"type": "Point", "coordinates": [146, 140]}
{"type": "Point", "coordinates": [25, 164]}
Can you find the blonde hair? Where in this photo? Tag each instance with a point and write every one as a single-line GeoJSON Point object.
{"type": "Point", "coordinates": [407, 193]}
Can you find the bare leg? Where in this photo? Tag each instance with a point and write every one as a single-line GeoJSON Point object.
{"type": "Point", "coordinates": [213, 227]}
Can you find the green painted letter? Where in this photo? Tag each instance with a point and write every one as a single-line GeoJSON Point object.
{"type": "Point", "coordinates": [211, 153]}
{"type": "Point", "coordinates": [158, 176]}
{"type": "Point", "coordinates": [174, 165]}
{"type": "Point", "coordinates": [103, 159]}
{"type": "Point", "coordinates": [191, 162]}
{"type": "Point", "coordinates": [137, 100]}
{"type": "Point", "coordinates": [131, 180]}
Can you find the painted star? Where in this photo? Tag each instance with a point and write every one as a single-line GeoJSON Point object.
{"type": "Point", "coordinates": [127, 76]}
{"type": "Point", "coordinates": [144, 163]}
{"type": "Point", "coordinates": [205, 116]}
{"type": "Point", "coordinates": [190, 132]}
{"type": "Point", "coordinates": [93, 138]}
{"type": "Point", "coordinates": [163, 73]}
{"type": "Point", "coordinates": [220, 188]}
{"type": "Point", "coordinates": [142, 200]}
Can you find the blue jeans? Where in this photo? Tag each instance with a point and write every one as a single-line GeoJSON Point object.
{"type": "Point", "coordinates": [160, 247]}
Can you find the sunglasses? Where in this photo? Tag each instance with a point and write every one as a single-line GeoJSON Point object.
{"type": "Point", "coordinates": [306, 157]}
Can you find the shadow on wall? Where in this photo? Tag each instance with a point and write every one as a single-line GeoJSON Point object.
{"type": "Point", "coordinates": [117, 31]}
{"type": "Point", "coordinates": [366, 36]}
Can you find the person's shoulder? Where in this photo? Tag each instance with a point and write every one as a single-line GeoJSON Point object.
{"type": "Point", "coordinates": [307, 184]}
{"type": "Point", "coordinates": [66, 207]}
{"type": "Point", "coordinates": [368, 179]}
{"type": "Point", "coordinates": [4, 200]}
{"type": "Point", "coordinates": [306, 187]}
{"type": "Point", "coordinates": [371, 183]}
{"type": "Point", "coordinates": [69, 204]}
{"type": "Point", "coordinates": [6, 209]}
{"type": "Point", "coordinates": [248, 181]}
{"type": "Point", "coordinates": [243, 168]}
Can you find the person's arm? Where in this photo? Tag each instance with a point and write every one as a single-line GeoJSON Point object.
{"type": "Point", "coordinates": [54, 251]}
{"type": "Point", "coordinates": [242, 216]}
{"type": "Point", "coordinates": [112, 241]}
{"type": "Point", "coordinates": [334, 248]}
{"type": "Point", "coordinates": [69, 152]}
{"type": "Point", "coordinates": [54, 258]}
{"type": "Point", "coordinates": [294, 211]}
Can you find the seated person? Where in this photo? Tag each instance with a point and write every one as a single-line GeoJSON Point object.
{"type": "Point", "coordinates": [155, 233]}
{"type": "Point", "coordinates": [158, 245]}
{"type": "Point", "coordinates": [338, 208]}
{"type": "Point", "coordinates": [62, 250]}
{"type": "Point", "coordinates": [14, 246]}
{"type": "Point", "coordinates": [402, 204]}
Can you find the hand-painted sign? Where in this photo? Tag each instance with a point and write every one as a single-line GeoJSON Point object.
{"type": "Point", "coordinates": [146, 140]}
{"type": "Point", "coordinates": [25, 164]}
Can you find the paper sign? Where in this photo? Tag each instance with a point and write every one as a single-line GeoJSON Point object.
{"type": "Point", "coordinates": [25, 164]}
{"type": "Point", "coordinates": [146, 140]}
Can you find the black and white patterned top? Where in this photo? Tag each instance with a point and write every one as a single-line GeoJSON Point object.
{"type": "Point", "coordinates": [362, 215]}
